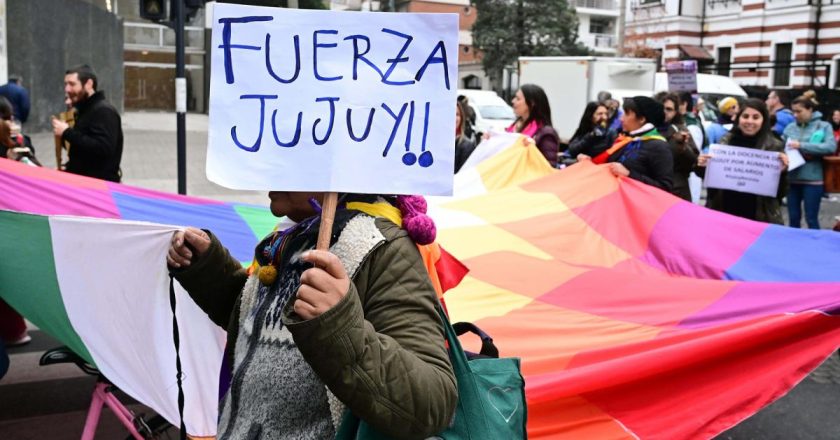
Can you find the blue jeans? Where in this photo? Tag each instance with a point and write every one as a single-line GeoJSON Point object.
{"type": "Point", "coordinates": [812, 196]}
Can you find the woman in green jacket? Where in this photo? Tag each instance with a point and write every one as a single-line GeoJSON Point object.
{"type": "Point", "coordinates": [314, 333]}
{"type": "Point", "coordinates": [814, 138]}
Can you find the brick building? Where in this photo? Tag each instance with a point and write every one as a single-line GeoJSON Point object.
{"type": "Point", "coordinates": [769, 43]}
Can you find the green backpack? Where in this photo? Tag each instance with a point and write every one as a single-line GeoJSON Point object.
{"type": "Point", "coordinates": [491, 394]}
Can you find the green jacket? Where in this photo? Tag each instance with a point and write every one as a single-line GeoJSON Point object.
{"type": "Point", "coordinates": [816, 139]}
{"type": "Point", "coordinates": [381, 350]}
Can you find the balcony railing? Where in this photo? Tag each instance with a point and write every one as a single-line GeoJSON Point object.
{"type": "Point", "coordinates": [604, 40]}
{"type": "Point", "coordinates": [596, 4]}
{"type": "Point", "coordinates": [599, 41]}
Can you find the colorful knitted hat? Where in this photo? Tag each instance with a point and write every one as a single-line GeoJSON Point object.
{"type": "Point", "coordinates": [725, 104]}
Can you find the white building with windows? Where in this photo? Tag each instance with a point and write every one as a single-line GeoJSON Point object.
{"type": "Point", "coordinates": [771, 43]}
{"type": "Point", "coordinates": [598, 24]}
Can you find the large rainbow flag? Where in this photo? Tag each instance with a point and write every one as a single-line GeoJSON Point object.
{"type": "Point", "coordinates": [636, 315]}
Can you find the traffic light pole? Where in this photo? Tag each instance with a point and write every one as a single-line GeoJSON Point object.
{"type": "Point", "coordinates": [180, 94]}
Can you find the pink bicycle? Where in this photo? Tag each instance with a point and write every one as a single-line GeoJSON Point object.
{"type": "Point", "coordinates": [138, 426]}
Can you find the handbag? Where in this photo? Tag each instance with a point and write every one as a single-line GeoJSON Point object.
{"type": "Point", "coordinates": [491, 394]}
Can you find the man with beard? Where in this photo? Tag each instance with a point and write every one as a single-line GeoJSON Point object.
{"type": "Point", "coordinates": [96, 141]}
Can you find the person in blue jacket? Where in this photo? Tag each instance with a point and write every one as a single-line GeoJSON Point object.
{"type": "Point", "coordinates": [778, 102]}
{"type": "Point", "coordinates": [18, 96]}
{"type": "Point", "coordinates": [729, 110]}
{"type": "Point", "coordinates": [814, 139]}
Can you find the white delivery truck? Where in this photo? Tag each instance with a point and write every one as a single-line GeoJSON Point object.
{"type": "Point", "coordinates": [571, 82]}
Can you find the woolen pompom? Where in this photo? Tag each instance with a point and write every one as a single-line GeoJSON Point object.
{"type": "Point", "coordinates": [267, 274]}
{"type": "Point", "coordinates": [412, 205]}
{"type": "Point", "coordinates": [421, 228]}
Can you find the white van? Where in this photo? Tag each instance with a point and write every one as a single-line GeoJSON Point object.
{"type": "Point", "coordinates": [491, 111]}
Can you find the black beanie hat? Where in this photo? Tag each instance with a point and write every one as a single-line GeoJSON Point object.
{"type": "Point", "coordinates": [652, 110]}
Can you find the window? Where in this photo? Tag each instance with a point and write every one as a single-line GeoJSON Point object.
{"type": "Point", "coordinates": [724, 59]}
{"type": "Point", "coordinates": [599, 26]}
{"type": "Point", "coordinates": [781, 71]}
{"type": "Point", "coordinates": [472, 82]}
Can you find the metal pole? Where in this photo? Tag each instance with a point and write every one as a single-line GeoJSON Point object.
{"type": "Point", "coordinates": [622, 18]}
{"type": "Point", "coordinates": [180, 95]}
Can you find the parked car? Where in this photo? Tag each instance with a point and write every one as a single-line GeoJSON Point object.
{"type": "Point", "coordinates": [491, 111]}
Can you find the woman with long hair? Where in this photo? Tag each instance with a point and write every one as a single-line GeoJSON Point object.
{"type": "Point", "coordinates": [752, 130]}
{"type": "Point", "coordinates": [593, 135]}
{"type": "Point", "coordinates": [464, 146]}
{"type": "Point", "coordinates": [814, 138]}
{"type": "Point", "coordinates": [640, 152]}
{"type": "Point", "coordinates": [684, 150]}
{"type": "Point", "coordinates": [533, 119]}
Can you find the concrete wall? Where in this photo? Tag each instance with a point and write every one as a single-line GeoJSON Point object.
{"type": "Point", "coordinates": [45, 37]}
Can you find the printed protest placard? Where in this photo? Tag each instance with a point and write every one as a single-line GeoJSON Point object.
{"type": "Point", "coordinates": [682, 76]}
{"type": "Point", "coordinates": [304, 100]}
{"type": "Point", "coordinates": [744, 169]}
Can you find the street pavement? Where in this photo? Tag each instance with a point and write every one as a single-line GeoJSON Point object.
{"type": "Point", "coordinates": [51, 402]}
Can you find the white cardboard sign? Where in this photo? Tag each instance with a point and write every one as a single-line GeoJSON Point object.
{"type": "Point", "coordinates": [332, 101]}
{"type": "Point", "coordinates": [745, 170]}
{"type": "Point", "coordinates": [682, 76]}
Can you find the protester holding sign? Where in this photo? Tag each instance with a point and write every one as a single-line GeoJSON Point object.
{"type": "Point", "coordinates": [322, 104]}
{"type": "Point", "coordinates": [640, 152]}
{"type": "Point", "coordinates": [752, 131]}
{"type": "Point", "coordinates": [682, 145]}
{"type": "Point", "coordinates": [533, 119]}
{"type": "Point", "coordinates": [312, 331]}
{"type": "Point", "coordinates": [814, 138]}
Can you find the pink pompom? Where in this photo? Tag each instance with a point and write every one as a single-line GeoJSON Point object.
{"type": "Point", "coordinates": [412, 205]}
{"type": "Point", "coordinates": [421, 228]}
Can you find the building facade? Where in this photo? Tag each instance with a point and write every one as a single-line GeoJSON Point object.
{"type": "Point", "coordinates": [767, 43]}
{"type": "Point", "coordinates": [598, 24]}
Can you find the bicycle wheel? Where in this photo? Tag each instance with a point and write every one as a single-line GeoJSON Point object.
{"type": "Point", "coordinates": [158, 429]}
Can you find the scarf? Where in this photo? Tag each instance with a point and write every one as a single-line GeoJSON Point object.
{"type": "Point", "coordinates": [530, 130]}
{"type": "Point", "coordinates": [634, 139]}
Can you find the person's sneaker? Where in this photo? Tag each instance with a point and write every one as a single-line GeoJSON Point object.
{"type": "Point", "coordinates": [22, 340]}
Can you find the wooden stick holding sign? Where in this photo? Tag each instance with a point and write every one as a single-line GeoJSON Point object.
{"type": "Point", "coordinates": [327, 218]}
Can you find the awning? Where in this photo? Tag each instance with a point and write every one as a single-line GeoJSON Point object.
{"type": "Point", "coordinates": [698, 53]}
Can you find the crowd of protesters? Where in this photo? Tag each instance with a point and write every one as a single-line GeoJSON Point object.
{"type": "Point", "coordinates": [663, 141]}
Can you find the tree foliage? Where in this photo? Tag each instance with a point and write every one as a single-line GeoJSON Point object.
{"type": "Point", "coordinates": [507, 29]}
